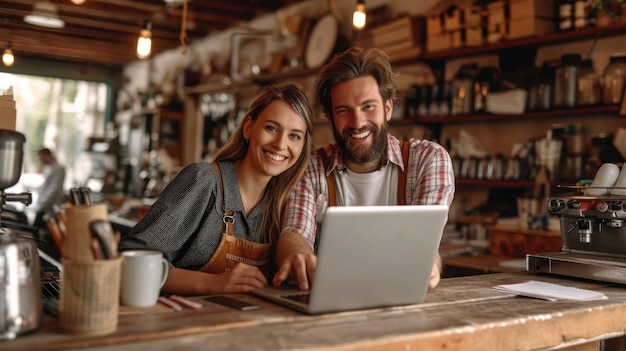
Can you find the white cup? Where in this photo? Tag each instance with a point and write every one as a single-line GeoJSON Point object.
{"type": "Point", "coordinates": [143, 274]}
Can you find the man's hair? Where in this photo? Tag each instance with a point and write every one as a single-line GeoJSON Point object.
{"type": "Point", "coordinates": [45, 151]}
{"type": "Point", "coordinates": [354, 63]}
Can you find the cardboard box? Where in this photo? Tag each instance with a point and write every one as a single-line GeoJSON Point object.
{"type": "Point", "coordinates": [439, 42]}
{"type": "Point", "coordinates": [453, 19]}
{"type": "Point", "coordinates": [6, 103]}
{"type": "Point", "coordinates": [496, 17]}
{"type": "Point", "coordinates": [403, 33]}
{"type": "Point", "coordinates": [397, 55]}
{"type": "Point", "coordinates": [529, 27]}
{"type": "Point", "coordinates": [434, 24]}
{"type": "Point", "coordinates": [532, 8]}
{"type": "Point", "coordinates": [7, 110]}
{"type": "Point", "coordinates": [458, 38]}
{"type": "Point", "coordinates": [7, 118]}
{"type": "Point", "coordinates": [474, 37]}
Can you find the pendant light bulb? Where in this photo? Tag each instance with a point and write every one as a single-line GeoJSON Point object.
{"type": "Point", "coordinates": [144, 43]}
{"type": "Point", "coordinates": [7, 58]}
{"type": "Point", "coordinates": [359, 17]}
{"type": "Point", "coordinates": [78, 2]}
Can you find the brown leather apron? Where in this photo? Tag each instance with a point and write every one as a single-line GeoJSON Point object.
{"type": "Point", "coordinates": [232, 250]}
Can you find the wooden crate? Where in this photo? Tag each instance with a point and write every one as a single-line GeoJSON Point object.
{"type": "Point", "coordinates": [532, 8]}
{"type": "Point", "coordinates": [439, 42]}
{"type": "Point", "coordinates": [529, 27]}
{"type": "Point", "coordinates": [403, 33]}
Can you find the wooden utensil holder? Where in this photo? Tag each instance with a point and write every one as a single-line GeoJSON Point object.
{"type": "Point", "coordinates": [77, 244]}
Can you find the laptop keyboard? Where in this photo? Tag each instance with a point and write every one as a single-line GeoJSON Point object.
{"type": "Point", "coordinates": [302, 298]}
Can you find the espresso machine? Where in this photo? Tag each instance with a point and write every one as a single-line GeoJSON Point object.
{"type": "Point", "coordinates": [593, 230]}
{"type": "Point", "coordinates": [20, 284]}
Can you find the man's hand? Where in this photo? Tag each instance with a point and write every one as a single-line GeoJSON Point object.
{"type": "Point", "coordinates": [435, 274]}
{"type": "Point", "coordinates": [295, 260]}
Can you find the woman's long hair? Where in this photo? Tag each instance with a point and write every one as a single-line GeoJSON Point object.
{"type": "Point", "coordinates": [279, 186]}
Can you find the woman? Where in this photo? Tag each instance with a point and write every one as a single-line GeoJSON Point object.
{"type": "Point", "coordinates": [216, 223]}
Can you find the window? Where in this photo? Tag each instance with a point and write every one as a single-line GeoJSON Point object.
{"type": "Point", "coordinates": [61, 114]}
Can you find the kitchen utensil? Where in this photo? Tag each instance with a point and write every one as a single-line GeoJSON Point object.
{"type": "Point", "coordinates": [11, 156]}
{"type": "Point", "coordinates": [20, 288]}
{"type": "Point", "coordinates": [20, 285]}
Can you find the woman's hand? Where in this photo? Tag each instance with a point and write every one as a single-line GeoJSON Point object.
{"type": "Point", "coordinates": [239, 279]}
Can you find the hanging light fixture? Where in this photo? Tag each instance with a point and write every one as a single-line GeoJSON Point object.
{"type": "Point", "coordinates": [359, 17]}
{"type": "Point", "coordinates": [78, 2]}
{"type": "Point", "coordinates": [144, 43]}
{"type": "Point", "coordinates": [44, 14]}
{"type": "Point", "coordinates": [7, 58]}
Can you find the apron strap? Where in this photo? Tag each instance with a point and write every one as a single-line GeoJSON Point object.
{"type": "Point", "coordinates": [229, 217]}
{"type": "Point", "coordinates": [332, 185]}
{"type": "Point", "coordinates": [330, 179]}
{"type": "Point", "coordinates": [404, 146]}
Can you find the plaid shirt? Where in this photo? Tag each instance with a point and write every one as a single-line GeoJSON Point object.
{"type": "Point", "coordinates": [429, 181]}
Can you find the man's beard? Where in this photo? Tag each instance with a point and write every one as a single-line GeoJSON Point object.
{"type": "Point", "coordinates": [360, 153]}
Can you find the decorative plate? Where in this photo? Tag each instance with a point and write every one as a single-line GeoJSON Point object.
{"type": "Point", "coordinates": [321, 41]}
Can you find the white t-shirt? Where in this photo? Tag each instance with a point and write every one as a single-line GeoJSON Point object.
{"type": "Point", "coordinates": [368, 189]}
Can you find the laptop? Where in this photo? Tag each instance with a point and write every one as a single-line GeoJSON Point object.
{"type": "Point", "coordinates": [369, 257]}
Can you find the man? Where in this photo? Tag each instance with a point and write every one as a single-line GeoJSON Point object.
{"type": "Point", "coordinates": [365, 166]}
{"type": "Point", "coordinates": [51, 191]}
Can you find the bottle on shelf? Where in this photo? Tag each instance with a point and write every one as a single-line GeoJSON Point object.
{"type": "Point", "coordinates": [614, 78]}
{"type": "Point", "coordinates": [566, 81]}
{"type": "Point", "coordinates": [589, 85]}
{"type": "Point", "coordinates": [566, 15]}
{"type": "Point", "coordinates": [580, 14]}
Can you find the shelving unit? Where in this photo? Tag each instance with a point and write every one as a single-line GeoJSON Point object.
{"type": "Point", "coordinates": [436, 123]}
{"type": "Point", "coordinates": [487, 117]}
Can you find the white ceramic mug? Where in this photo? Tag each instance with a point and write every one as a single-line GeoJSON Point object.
{"type": "Point", "coordinates": [143, 274]}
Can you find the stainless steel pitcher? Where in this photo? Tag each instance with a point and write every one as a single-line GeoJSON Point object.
{"type": "Point", "coordinates": [20, 286]}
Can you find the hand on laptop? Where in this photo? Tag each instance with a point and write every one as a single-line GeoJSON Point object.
{"type": "Point", "coordinates": [435, 275]}
{"type": "Point", "coordinates": [297, 267]}
{"type": "Point", "coordinates": [295, 260]}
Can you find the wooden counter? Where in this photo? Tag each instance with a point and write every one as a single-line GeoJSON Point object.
{"type": "Point", "coordinates": [461, 314]}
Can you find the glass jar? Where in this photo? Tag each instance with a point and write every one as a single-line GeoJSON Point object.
{"type": "Point", "coordinates": [589, 85]}
{"type": "Point", "coordinates": [614, 76]}
{"type": "Point", "coordinates": [541, 93]}
{"type": "Point", "coordinates": [566, 81]}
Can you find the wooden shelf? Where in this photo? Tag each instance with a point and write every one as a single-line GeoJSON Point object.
{"type": "Point", "coordinates": [496, 183]}
{"type": "Point", "coordinates": [393, 122]}
{"type": "Point", "coordinates": [295, 73]}
{"type": "Point", "coordinates": [221, 87]}
{"type": "Point", "coordinates": [487, 117]}
{"type": "Point", "coordinates": [544, 40]}
{"type": "Point", "coordinates": [503, 183]}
